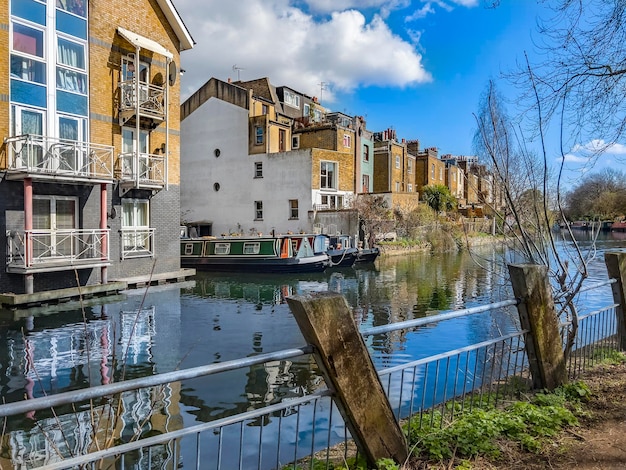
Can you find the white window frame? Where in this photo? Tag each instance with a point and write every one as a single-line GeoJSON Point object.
{"type": "Point", "coordinates": [398, 161]}
{"type": "Point", "coordinates": [251, 248]}
{"type": "Point", "coordinates": [347, 140]}
{"type": "Point", "coordinates": [222, 248]}
{"type": "Point", "coordinates": [410, 188]}
{"type": "Point", "coordinates": [326, 181]}
{"type": "Point", "coordinates": [292, 99]}
{"type": "Point", "coordinates": [294, 213]}
{"type": "Point", "coordinates": [258, 169]}
{"type": "Point", "coordinates": [410, 165]}
{"type": "Point", "coordinates": [137, 240]}
{"type": "Point", "coordinates": [295, 142]}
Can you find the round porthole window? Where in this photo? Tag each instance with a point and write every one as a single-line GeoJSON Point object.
{"type": "Point", "coordinates": [216, 186]}
{"type": "Point", "coordinates": [217, 152]}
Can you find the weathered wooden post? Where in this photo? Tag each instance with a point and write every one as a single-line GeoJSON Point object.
{"type": "Point", "coordinates": [616, 268]}
{"type": "Point", "coordinates": [538, 315]}
{"type": "Point", "coordinates": [326, 322]}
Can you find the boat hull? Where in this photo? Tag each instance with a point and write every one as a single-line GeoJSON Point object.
{"type": "Point", "coordinates": [367, 255]}
{"type": "Point", "coordinates": [291, 265]}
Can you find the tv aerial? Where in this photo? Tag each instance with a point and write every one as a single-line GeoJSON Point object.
{"type": "Point", "coordinates": [238, 70]}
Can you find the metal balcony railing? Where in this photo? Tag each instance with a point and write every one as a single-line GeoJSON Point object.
{"type": "Point", "coordinates": [150, 99]}
{"type": "Point", "coordinates": [137, 243]}
{"type": "Point", "coordinates": [143, 170]}
{"type": "Point", "coordinates": [44, 157]}
{"type": "Point", "coordinates": [54, 250]}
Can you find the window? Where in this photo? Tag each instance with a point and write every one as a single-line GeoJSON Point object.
{"type": "Point", "coordinates": [410, 188]}
{"type": "Point", "coordinates": [29, 121]}
{"type": "Point", "coordinates": [53, 214]}
{"type": "Point", "coordinates": [259, 135]}
{"type": "Point", "coordinates": [222, 248]}
{"type": "Point", "coordinates": [397, 186]}
{"type": "Point", "coordinates": [292, 99]}
{"type": "Point", "coordinates": [251, 248]}
{"type": "Point", "coordinates": [366, 153]}
{"type": "Point", "coordinates": [136, 232]}
{"type": "Point", "coordinates": [397, 161]}
{"type": "Point", "coordinates": [432, 171]}
{"type": "Point", "coordinates": [258, 210]}
{"type": "Point", "coordinates": [307, 110]}
{"type": "Point", "coordinates": [28, 40]}
{"type": "Point", "coordinates": [454, 176]}
{"type": "Point", "coordinates": [410, 165]}
{"type": "Point", "coordinates": [327, 175]}
{"type": "Point", "coordinates": [441, 173]}
{"type": "Point", "coordinates": [366, 183]}
{"type": "Point", "coordinates": [293, 208]}
{"type": "Point", "coordinates": [258, 169]}
{"type": "Point", "coordinates": [264, 109]}
{"type": "Point", "coordinates": [282, 137]}
{"type": "Point", "coordinates": [70, 61]}
{"type": "Point", "coordinates": [295, 142]}
{"type": "Point", "coordinates": [332, 201]}
{"type": "Point", "coordinates": [73, 6]}
{"type": "Point", "coordinates": [317, 115]}
{"type": "Point", "coordinates": [130, 146]}
{"type": "Point", "coordinates": [347, 140]}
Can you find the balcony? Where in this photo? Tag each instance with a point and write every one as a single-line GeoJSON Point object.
{"type": "Point", "coordinates": [146, 99]}
{"type": "Point", "coordinates": [33, 251]}
{"type": "Point", "coordinates": [142, 171]}
{"type": "Point", "coordinates": [137, 243]}
{"type": "Point", "coordinates": [47, 158]}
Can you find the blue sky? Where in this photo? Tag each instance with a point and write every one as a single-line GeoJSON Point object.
{"type": "Point", "coordinates": [416, 66]}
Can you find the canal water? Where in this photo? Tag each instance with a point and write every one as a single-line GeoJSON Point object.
{"type": "Point", "coordinates": [221, 317]}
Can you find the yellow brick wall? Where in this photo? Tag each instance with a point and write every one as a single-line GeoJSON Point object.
{"type": "Point", "coordinates": [106, 48]}
{"type": "Point", "coordinates": [319, 138]}
{"type": "Point", "coordinates": [381, 172]}
{"type": "Point", "coordinates": [345, 166]}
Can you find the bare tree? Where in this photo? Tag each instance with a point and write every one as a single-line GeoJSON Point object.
{"type": "Point", "coordinates": [531, 201]}
{"type": "Point", "coordinates": [581, 78]}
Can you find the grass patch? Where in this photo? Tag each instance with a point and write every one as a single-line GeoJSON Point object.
{"type": "Point", "coordinates": [482, 431]}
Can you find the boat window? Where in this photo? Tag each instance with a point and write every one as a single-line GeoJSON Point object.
{"type": "Point", "coordinates": [222, 248]}
{"type": "Point", "coordinates": [252, 248]}
{"type": "Point", "coordinates": [189, 248]}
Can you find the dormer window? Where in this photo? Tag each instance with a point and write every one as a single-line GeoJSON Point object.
{"type": "Point", "coordinates": [292, 99]}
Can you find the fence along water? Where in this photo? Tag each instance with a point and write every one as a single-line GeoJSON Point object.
{"type": "Point", "coordinates": [314, 426]}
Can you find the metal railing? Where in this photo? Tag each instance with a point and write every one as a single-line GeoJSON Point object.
{"type": "Point", "coordinates": [143, 169]}
{"type": "Point", "coordinates": [307, 431]}
{"type": "Point", "coordinates": [48, 157]}
{"type": "Point", "coordinates": [43, 249]}
{"type": "Point", "coordinates": [137, 243]}
{"type": "Point", "coordinates": [151, 98]}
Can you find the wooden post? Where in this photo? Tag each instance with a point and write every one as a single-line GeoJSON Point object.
{"type": "Point", "coordinates": [616, 267]}
{"type": "Point", "coordinates": [326, 322]}
{"type": "Point", "coordinates": [538, 315]}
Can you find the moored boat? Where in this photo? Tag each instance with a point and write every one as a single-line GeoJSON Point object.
{"type": "Point", "coordinates": [367, 255]}
{"type": "Point", "coordinates": [271, 254]}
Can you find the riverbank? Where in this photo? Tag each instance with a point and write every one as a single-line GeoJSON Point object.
{"type": "Point", "coordinates": [402, 247]}
{"type": "Point", "coordinates": [598, 442]}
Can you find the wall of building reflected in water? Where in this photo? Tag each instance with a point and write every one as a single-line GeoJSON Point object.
{"type": "Point", "coordinates": [222, 317]}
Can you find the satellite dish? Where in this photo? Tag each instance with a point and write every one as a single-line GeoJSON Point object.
{"type": "Point", "coordinates": [172, 72]}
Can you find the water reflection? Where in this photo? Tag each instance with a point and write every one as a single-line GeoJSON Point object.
{"type": "Point", "coordinates": [225, 317]}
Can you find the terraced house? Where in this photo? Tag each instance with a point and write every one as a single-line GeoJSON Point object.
{"type": "Point", "coordinates": [89, 114]}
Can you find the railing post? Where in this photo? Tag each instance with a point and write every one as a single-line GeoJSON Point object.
{"type": "Point", "coordinates": [616, 268]}
{"type": "Point", "coordinates": [326, 322]}
{"type": "Point", "coordinates": [538, 315]}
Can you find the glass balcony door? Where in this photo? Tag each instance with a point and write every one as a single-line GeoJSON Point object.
{"type": "Point", "coordinates": [53, 220]}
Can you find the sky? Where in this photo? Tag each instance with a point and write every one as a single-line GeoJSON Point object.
{"type": "Point", "coordinates": [417, 66]}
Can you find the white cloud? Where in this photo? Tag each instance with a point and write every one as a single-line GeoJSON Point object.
{"type": "Point", "coordinates": [272, 38]}
{"type": "Point", "coordinates": [599, 146]}
{"type": "Point", "coordinates": [428, 7]}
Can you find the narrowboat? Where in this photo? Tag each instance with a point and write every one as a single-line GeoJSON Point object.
{"type": "Point", "coordinates": [263, 254]}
